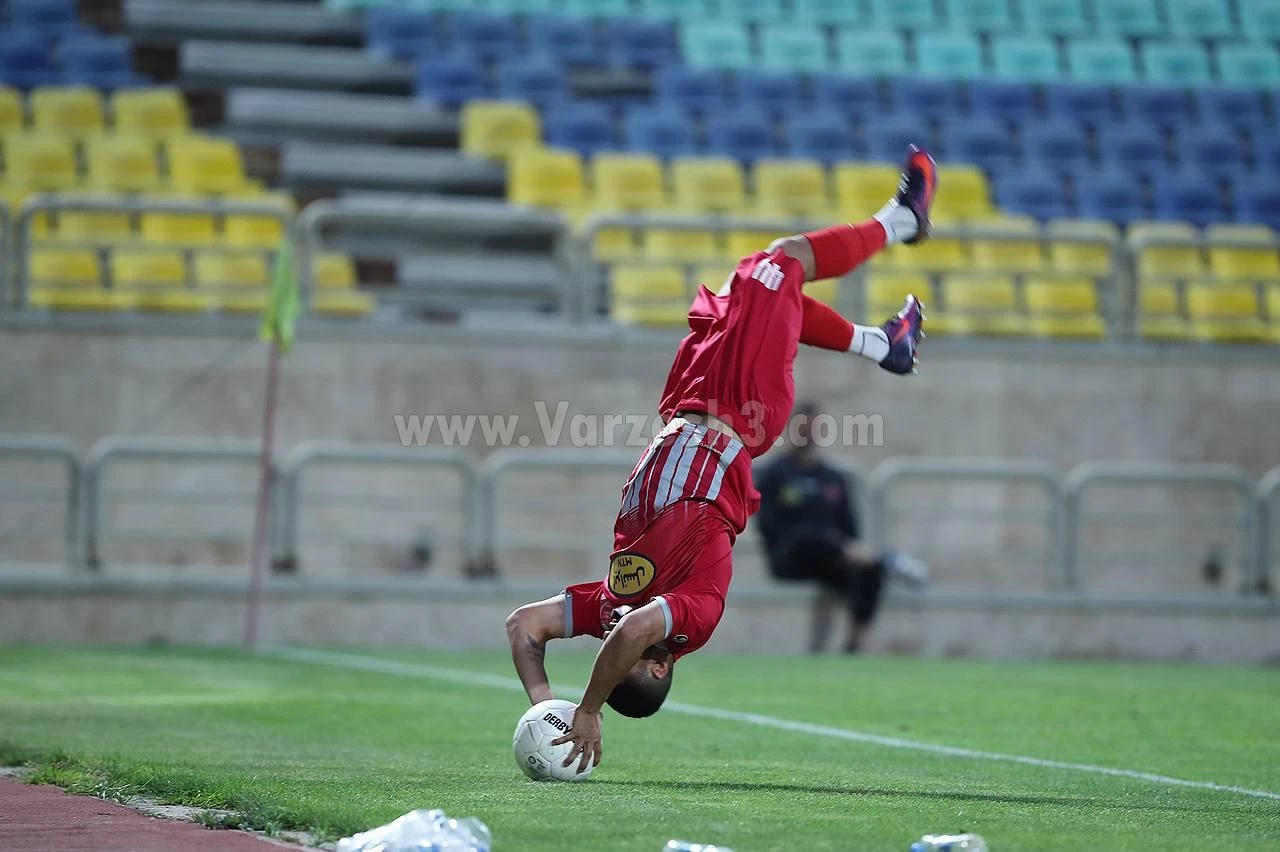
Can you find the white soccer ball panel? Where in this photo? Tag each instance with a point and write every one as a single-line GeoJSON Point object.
{"type": "Point", "coordinates": [537, 728]}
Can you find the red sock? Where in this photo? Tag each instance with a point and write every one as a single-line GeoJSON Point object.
{"type": "Point", "coordinates": [821, 326]}
{"type": "Point", "coordinates": [842, 248]}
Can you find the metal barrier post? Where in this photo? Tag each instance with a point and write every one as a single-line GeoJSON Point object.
{"type": "Point", "coordinates": [1268, 492]}
{"type": "Point", "coordinates": [58, 449]}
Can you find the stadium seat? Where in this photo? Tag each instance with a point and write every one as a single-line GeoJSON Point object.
{"type": "Point", "coordinates": [49, 17]}
{"type": "Point", "coordinates": [133, 268]}
{"type": "Point", "coordinates": [679, 246]}
{"type": "Point", "coordinates": [744, 134]}
{"type": "Point", "coordinates": [700, 91]}
{"type": "Point", "coordinates": [756, 10]}
{"type": "Point", "coordinates": [769, 91]}
{"type": "Point", "coordinates": [1063, 307]}
{"type": "Point", "coordinates": [1031, 59]}
{"type": "Point", "coordinates": [40, 161]}
{"type": "Point", "coordinates": [979, 16]}
{"type": "Point", "coordinates": [570, 40]}
{"type": "Point", "coordinates": [1054, 17]}
{"type": "Point", "coordinates": [1260, 20]}
{"type": "Point", "coordinates": [888, 138]}
{"type": "Point", "coordinates": [25, 60]}
{"type": "Point", "coordinates": [1241, 261]}
{"type": "Point", "coordinates": [672, 10]}
{"type": "Point", "coordinates": [1266, 153]}
{"type": "Point", "coordinates": [583, 126]}
{"type": "Point", "coordinates": [1160, 315]}
{"type": "Point", "coordinates": [849, 95]}
{"type": "Point", "coordinates": [157, 113]}
{"type": "Point", "coordinates": [203, 164]}
{"type": "Point", "coordinates": [11, 111]}
{"type": "Point", "coordinates": [242, 301]}
{"type": "Point", "coordinates": [994, 254]}
{"type": "Point", "coordinates": [1106, 61]}
{"type": "Point", "coordinates": [1225, 313]}
{"type": "Point", "coordinates": [649, 294]}
{"type": "Point", "coordinates": [1163, 106]}
{"type": "Point", "coordinates": [484, 35]}
{"type": "Point", "coordinates": [627, 182]}
{"type": "Point", "coordinates": [258, 231]}
{"type": "Point", "coordinates": [121, 163]}
{"type": "Point", "coordinates": [1033, 192]}
{"type": "Point", "coordinates": [982, 304]}
{"type": "Point", "coordinates": [451, 80]}
{"type": "Point", "coordinates": [1131, 18]}
{"type": "Point", "coordinates": [795, 48]}
{"type": "Point", "coordinates": [862, 188]}
{"type": "Point", "coordinates": [1176, 63]}
{"type": "Point", "coordinates": [708, 185]}
{"type": "Point", "coordinates": [1007, 100]}
{"type": "Point", "coordinates": [935, 255]}
{"type": "Point", "coordinates": [666, 131]}
{"type": "Point", "coordinates": [538, 80]}
{"type": "Point", "coordinates": [915, 97]}
{"type": "Point", "coordinates": [397, 33]}
{"type": "Point", "coordinates": [870, 53]}
{"type": "Point", "coordinates": [949, 55]}
{"type": "Point", "coordinates": [968, 195]}
{"type": "Point", "coordinates": [1109, 194]}
{"type": "Point", "coordinates": [886, 289]}
{"type": "Point", "coordinates": [178, 228]}
{"type": "Point", "coordinates": [597, 8]}
{"type": "Point", "coordinates": [827, 11]}
{"type": "Point", "coordinates": [333, 271]}
{"type": "Point", "coordinates": [820, 135]}
{"type": "Point", "coordinates": [641, 44]}
{"type": "Point", "coordinates": [1258, 202]}
{"type": "Point", "coordinates": [715, 45]}
{"type": "Point", "coordinates": [980, 142]}
{"type": "Point", "coordinates": [905, 14]}
{"type": "Point", "coordinates": [1200, 18]}
{"type": "Point", "coordinates": [1211, 149]}
{"type": "Point", "coordinates": [742, 243]}
{"type": "Point", "coordinates": [1239, 109]}
{"type": "Point", "coordinates": [1136, 146]}
{"type": "Point", "coordinates": [497, 128]}
{"type": "Point", "coordinates": [1188, 196]}
{"type": "Point", "coordinates": [80, 299]}
{"type": "Point", "coordinates": [1088, 104]}
{"type": "Point", "coordinates": [73, 111]}
{"type": "Point", "coordinates": [342, 303]}
{"type": "Point", "coordinates": [792, 188]}
{"type": "Point", "coordinates": [1069, 255]}
{"type": "Point", "coordinates": [1176, 256]}
{"type": "Point", "coordinates": [1057, 144]}
{"type": "Point", "coordinates": [545, 177]}
{"type": "Point", "coordinates": [223, 269]}
{"type": "Point", "coordinates": [104, 62]}
{"type": "Point", "coordinates": [63, 268]}
{"type": "Point", "coordinates": [1255, 66]}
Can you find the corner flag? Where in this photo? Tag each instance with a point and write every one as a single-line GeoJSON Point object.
{"type": "Point", "coordinates": [281, 313]}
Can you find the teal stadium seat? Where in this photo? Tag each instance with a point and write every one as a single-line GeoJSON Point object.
{"type": "Point", "coordinates": [1172, 63]}
{"type": "Point", "coordinates": [717, 45]}
{"type": "Point", "coordinates": [596, 8]}
{"type": "Point", "coordinates": [954, 56]}
{"type": "Point", "coordinates": [908, 14]}
{"type": "Point", "coordinates": [1260, 19]}
{"type": "Point", "coordinates": [871, 53]}
{"type": "Point", "coordinates": [523, 7]}
{"type": "Point", "coordinates": [1108, 61]}
{"type": "Point", "coordinates": [1024, 57]}
{"type": "Point", "coordinates": [1253, 66]}
{"type": "Point", "coordinates": [794, 48]}
{"type": "Point", "coordinates": [675, 10]}
{"type": "Point", "coordinates": [980, 16]}
{"type": "Point", "coordinates": [1128, 17]}
{"type": "Point", "coordinates": [827, 11]}
{"type": "Point", "coordinates": [754, 10]}
{"type": "Point", "coordinates": [1200, 18]}
{"type": "Point", "coordinates": [1055, 17]}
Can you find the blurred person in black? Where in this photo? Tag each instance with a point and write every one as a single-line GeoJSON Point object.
{"type": "Point", "coordinates": [811, 533]}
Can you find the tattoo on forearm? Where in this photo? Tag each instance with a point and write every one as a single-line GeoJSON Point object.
{"type": "Point", "coordinates": [536, 649]}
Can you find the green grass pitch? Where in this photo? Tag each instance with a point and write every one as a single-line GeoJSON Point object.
{"type": "Point", "coordinates": [296, 744]}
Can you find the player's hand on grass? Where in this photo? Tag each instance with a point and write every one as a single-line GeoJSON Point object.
{"type": "Point", "coordinates": [585, 736]}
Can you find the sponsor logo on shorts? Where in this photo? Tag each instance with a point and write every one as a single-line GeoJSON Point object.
{"type": "Point", "coordinates": [630, 574]}
{"type": "Point", "coordinates": [680, 639]}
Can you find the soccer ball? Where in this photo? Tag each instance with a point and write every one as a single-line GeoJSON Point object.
{"type": "Point", "coordinates": [535, 755]}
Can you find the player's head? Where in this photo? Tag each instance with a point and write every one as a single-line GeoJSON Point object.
{"type": "Point", "coordinates": [801, 431]}
{"type": "Point", "coordinates": [644, 688]}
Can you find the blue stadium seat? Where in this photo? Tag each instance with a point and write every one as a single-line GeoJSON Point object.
{"type": "Point", "coordinates": [452, 79]}
{"type": "Point", "coordinates": [744, 134]}
{"type": "Point", "coordinates": [1163, 106]}
{"type": "Point", "coordinates": [979, 16]}
{"type": "Point", "coordinates": [666, 131]}
{"type": "Point", "coordinates": [536, 79]}
{"type": "Point", "coordinates": [582, 126]}
{"type": "Point", "coordinates": [1255, 66]}
{"type": "Point", "coordinates": [1034, 192]}
{"type": "Point", "coordinates": [1211, 149]}
{"type": "Point", "coordinates": [643, 44]}
{"type": "Point", "coordinates": [700, 91]}
{"type": "Point", "coordinates": [1109, 194]}
{"type": "Point", "coordinates": [850, 95]}
{"type": "Point", "coordinates": [888, 137]}
{"type": "Point", "coordinates": [1055, 17]}
{"type": "Point", "coordinates": [979, 141]}
{"type": "Point", "coordinates": [1188, 197]}
{"type": "Point", "coordinates": [1129, 17]}
{"type": "Point", "coordinates": [1240, 109]}
{"type": "Point", "coordinates": [1266, 155]}
{"type": "Point", "coordinates": [50, 17]}
{"type": "Point", "coordinates": [1132, 146]}
{"type": "Point", "coordinates": [1200, 18]}
{"type": "Point", "coordinates": [1032, 59]}
{"type": "Point", "coordinates": [401, 33]}
{"type": "Point", "coordinates": [949, 56]}
{"type": "Point", "coordinates": [1174, 63]}
{"type": "Point", "coordinates": [1004, 99]}
{"type": "Point", "coordinates": [716, 44]}
{"type": "Point", "coordinates": [827, 11]}
{"type": "Point", "coordinates": [934, 99]}
{"type": "Point", "coordinates": [673, 10]}
{"type": "Point", "coordinates": [1103, 60]}
{"type": "Point", "coordinates": [487, 36]}
{"type": "Point", "coordinates": [96, 60]}
{"type": "Point", "coordinates": [820, 135]}
{"type": "Point", "coordinates": [757, 10]}
{"type": "Point", "coordinates": [1057, 144]}
{"type": "Point", "coordinates": [571, 40]}
{"type": "Point", "coordinates": [775, 93]}
{"type": "Point", "coordinates": [871, 53]}
{"type": "Point", "coordinates": [1260, 20]}
{"type": "Point", "coordinates": [24, 60]}
{"type": "Point", "coordinates": [1087, 103]}
{"type": "Point", "coordinates": [796, 48]}
{"type": "Point", "coordinates": [1258, 202]}
{"type": "Point", "coordinates": [911, 14]}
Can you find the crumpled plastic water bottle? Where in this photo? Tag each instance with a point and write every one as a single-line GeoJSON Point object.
{"type": "Point", "coordinates": [686, 846]}
{"type": "Point", "coordinates": [422, 831]}
{"type": "Point", "coordinates": [950, 843]}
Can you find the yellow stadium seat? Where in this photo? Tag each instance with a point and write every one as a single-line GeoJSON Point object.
{"type": "Point", "coordinates": [258, 231]}
{"type": "Point", "coordinates": [333, 271]}
{"type": "Point", "coordinates": [937, 254]}
{"type": "Point", "coordinates": [1159, 314]}
{"type": "Point", "coordinates": [1273, 311]}
{"type": "Point", "coordinates": [679, 245]}
{"type": "Point", "coordinates": [178, 228]}
{"type": "Point", "coordinates": [545, 177]}
{"type": "Point", "coordinates": [40, 161]}
{"type": "Point", "coordinates": [132, 268]}
{"type": "Point", "coordinates": [862, 188]}
{"type": "Point", "coordinates": [1162, 260]}
{"type": "Point", "coordinates": [204, 165]}
{"type": "Point", "coordinates": [792, 188]}
{"type": "Point", "coordinates": [1080, 258]}
{"type": "Point", "coordinates": [50, 267]}
{"type": "Point", "coordinates": [965, 195]}
{"type": "Point", "coordinates": [241, 301]}
{"type": "Point", "coordinates": [740, 244]}
{"type": "Point", "coordinates": [1007, 255]}
{"type": "Point", "coordinates": [648, 294]}
{"type": "Point", "coordinates": [1063, 307]}
{"type": "Point", "coordinates": [87, 226]}
{"type": "Point", "coordinates": [11, 118]}
{"type": "Point", "coordinates": [496, 128]}
{"type": "Point", "coordinates": [219, 269]}
{"type": "Point", "coordinates": [156, 113]}
{"type": "Point", "coordinates": [119, 163]}
{"type": "Point", "coordinates": [1259, 261]}
{"type": "Point", "coordinates": [40, 226]}
{"type": "Point", "coordinates": [713, 276]}
{"type": "Point", "coordinates": [982, 304]}
{"type": "Point", "coordinates": [72, 111]}
{"type": "Point", "coordinates": [343, 303]}
{"type": "Point", "coordinates": [626, 182]}
{"type": "Point", "coordinates": [708, 185]}
{"type": "Point", "coordinates": [826, 291]}
{"type": "Point", "coordinates": [886, 291]}
{"type": "Point", "coordinates": [81, 299]}
{"type": "Point", "coordinates": [1225, 313]}
{"type": "Point", "coordinates": [614, 244]}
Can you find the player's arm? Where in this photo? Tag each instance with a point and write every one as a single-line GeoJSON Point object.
{"type": "Point", "coordinates": [529, 629]}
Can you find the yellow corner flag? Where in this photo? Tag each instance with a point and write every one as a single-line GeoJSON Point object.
{"type": "Point", "coordinates": [281, 313]}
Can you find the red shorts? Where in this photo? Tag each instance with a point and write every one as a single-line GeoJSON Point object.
{"type": "Point", "coordinates": [682, 559]}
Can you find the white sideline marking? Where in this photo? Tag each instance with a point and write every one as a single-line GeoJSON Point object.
{"type": "Point", "coordinates": [392, 667]}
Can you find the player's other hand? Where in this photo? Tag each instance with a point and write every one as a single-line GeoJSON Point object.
{"type": "Point", "coordinates": [585, 736]}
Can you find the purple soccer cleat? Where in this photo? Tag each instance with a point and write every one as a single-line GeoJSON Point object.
{"type": "Point", "coordinates": [916, 189]}
{"type": "Point", "coordinates": [905, 331]}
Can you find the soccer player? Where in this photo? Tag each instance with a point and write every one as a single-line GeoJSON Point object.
{"type": "Point", "coordinates": [726, 401]}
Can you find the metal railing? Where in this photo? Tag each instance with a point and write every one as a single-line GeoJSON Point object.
{"type": "Point", "coordinates": [24, 501]}
{"type": "Point", "coordinates": [1268, 543]}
